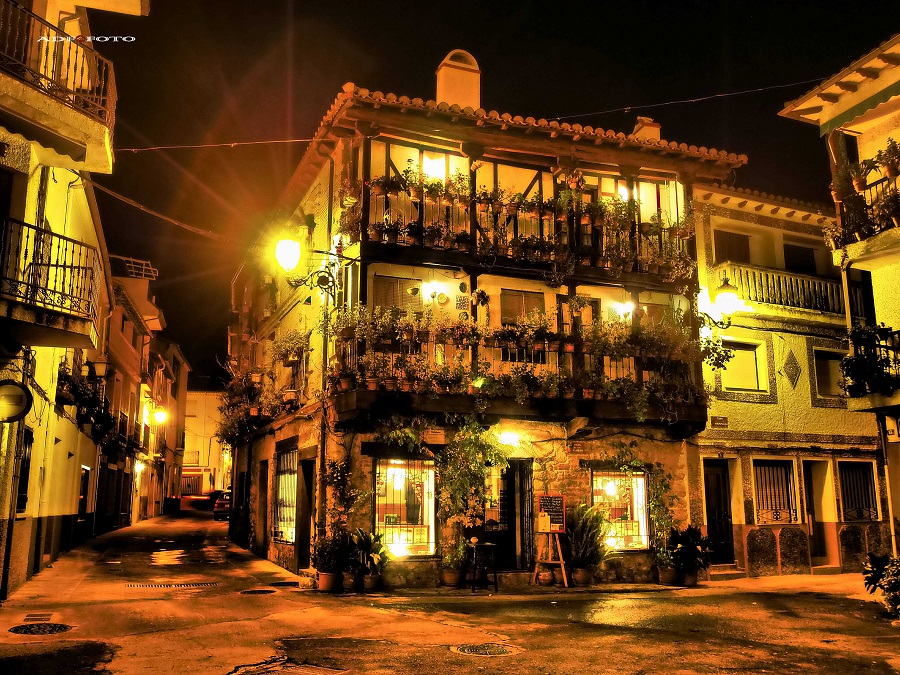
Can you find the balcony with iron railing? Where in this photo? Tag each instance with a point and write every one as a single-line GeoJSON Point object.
{"type": "Point", "coordinates": [615, 375]}
{"type": "Point", "coordinates": [868, 213]}
{"type": "Point", "coordinates": [52, 64]}
{"type": "Point", "coordinates": [770, 286]}
{"type": "Point", "coordinates": [49, 287]}
{"type": "Point", "coordinates": [872, 370]}
{"type": "Point", "coordinates": [549, 242]}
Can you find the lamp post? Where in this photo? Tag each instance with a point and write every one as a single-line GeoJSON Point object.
{"type": "Point", "coordinates": [288, 253]}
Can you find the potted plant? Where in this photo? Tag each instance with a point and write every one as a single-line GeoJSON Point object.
{"type": "Point", "coordinates": [666, 572]}
{"type": "Point", "coordinates": [372, 555]}
{"type": "Point", "coordinates": [887, 209]}
{"type": "Point", "coordinates": [330, 555]}
{"type": "Point", "coordinates": [392, 230]}
{"type": "Point", "coordinates": [690, 553]}
{"type": "Point", "coordinates": [376, 231]}
{"type": "Point", "coordinates": [414, 179]}
{"type": "Point", "coordinates": [452, 562]}
{"type": "Point", "coordinates": [585, 531]}
{"type": "Point", "coordinates": [889, 158]}
{"type": "Point", "coordinates": [290, 346]}
{"type": "Point", "coordinates": [859, 173]}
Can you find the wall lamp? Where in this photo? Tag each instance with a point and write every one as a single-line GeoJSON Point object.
{"type": "Point", "coordinates": [726, 301]}
{"type": "Point", "coordinates": [288, 253]}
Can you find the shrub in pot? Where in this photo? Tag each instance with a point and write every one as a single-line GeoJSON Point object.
{"type": "Point", "coordinates": [690, 553]}
{"type": "Point", "coordinates": [586, 529]}
{"type": "Point", "coordinates": [452, 563]}
{"type": "Point", "coordinates": [371, 556]}
{"type": "Point", "coordinates": [330, 557]}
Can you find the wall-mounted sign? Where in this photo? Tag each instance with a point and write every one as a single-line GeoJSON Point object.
{"type": "Point", "coordinates": [551, 513]}
{"type": "Point", "coordinates": [718, 422]}
{"type": "Point", "coordinates": [15, 401]}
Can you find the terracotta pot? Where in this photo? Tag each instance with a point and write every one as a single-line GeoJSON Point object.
{"type": "Point", "coordinates": [371, 582]}
{"type": "Point", "coordinates": [668, 576]}
{"type": "Point", "coordinates": [415, 193]}
{"type": "Point", "coordinates": [545, 578]}
{"type": "Point", "coordinates": [376, 235]}
{"type": "Point", "coordinates": [329, 582]}
{"type": "Point", "coordinates": [377, 190]}
{"type": "Point", "coordinates": [582, 577]}
{"type": "Point", "coordinates": [689, 579]}
{"type": "Point", "coordinates": [349, 579]}
{"type": "Point", "coordinates": [346, 384]}
{"type": "Point", "coordinates": [371, 383]}
{"type": "Point", "coordinates": [451, 578]}
{"type": "Point", "coordinates": [891, 170]}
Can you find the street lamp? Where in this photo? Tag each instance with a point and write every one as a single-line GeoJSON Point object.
{"type": "Point", "coordinates": [725, 301]}
{"type": "Point", "coordinates": [160, 416]}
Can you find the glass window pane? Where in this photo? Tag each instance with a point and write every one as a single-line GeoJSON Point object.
{"type": "Point", "coordinates": [624, 501]}
{"type": "Point", "coordinates": [285, 496]}
{"type": "Point", "coordinates": [774, 483]}
{"type": "Point", "coordinates": [860, 501]}
{"type": "Point", "coordinates": [743, 372]}
{"type": "Point", "coordinates": [828, 373]}
{"type": "Point", "coordinates": [404, 506]}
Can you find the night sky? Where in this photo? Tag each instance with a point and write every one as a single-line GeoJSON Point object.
{"type": "Point", "coordinates": [214, 71]}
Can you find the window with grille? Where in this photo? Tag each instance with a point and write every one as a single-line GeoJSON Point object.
{"type": "Point", "coordinates": [285, 496]}
{"type": "Point", "coordinates": [732, 247]}
{"type": "Point", "coordinates": [774, 484]}
{"type": "Point", "coordinates": [746, 370]}
{"type": "Point", "coordinates": [623, 498]}
{"type": "Point", "coordinates": [828, 373]}
{"type": "Point", "coordinates": [404, 506]}
{"type": "Point", "coordinates": [858, 496]}
{"type": "Point", "coordinates": [392, 292]}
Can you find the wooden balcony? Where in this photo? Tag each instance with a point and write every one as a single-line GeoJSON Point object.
{"type": "Point", "coordinates": [48, 287]}
{"type": "Point", "coordinates": [769, 286]}
{"type": "Point", "coordinates": [58, 91]}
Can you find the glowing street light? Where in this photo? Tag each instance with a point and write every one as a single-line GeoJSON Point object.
{"type": "Point", "coordinates": [287, 253]}
{"type": "Point", "coordinates": [160, 416]}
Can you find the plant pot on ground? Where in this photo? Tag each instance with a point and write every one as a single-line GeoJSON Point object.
{"type": "Point", "coordinates": [690, 553]}
{"type": "Point", "coordinates": [585, 549]}
{"type": "Point", "coordinates": [330, 559]}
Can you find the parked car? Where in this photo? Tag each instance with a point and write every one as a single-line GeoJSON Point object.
{"type": "Point", "coordinates": [222, 508]}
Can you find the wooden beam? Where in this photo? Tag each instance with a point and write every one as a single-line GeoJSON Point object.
{"type": "Point", "coordinates": [830, 98]}
{"type": "Point", "coordinates": [869, 73]}
{"type": "Point", "coordinates": [848, 86]}
{"type": "Point", "coordinates": [812, 110]}
{"type": "Point", "coordinates": [891, 59]}
{"type": "Point", "coordinates": [775, 209]}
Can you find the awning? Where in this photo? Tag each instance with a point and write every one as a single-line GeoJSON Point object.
{"type": "Point", "coordinates": [860, 108]}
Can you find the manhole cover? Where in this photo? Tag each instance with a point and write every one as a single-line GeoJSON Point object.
{"type": "Point", "coordinates": [258, 591]}
{"type": "Point", "coordinates": [40, 628]}
{"type": "Point", "coordinates": [488, 649]}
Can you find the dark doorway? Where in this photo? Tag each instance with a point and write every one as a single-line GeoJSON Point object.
{"type": "Point", "coordinates": [262, 508]}
{"type": "Point", "coordinates": [717, 489]}
{"type": "Point", "coordinates": [814, 476]}
{"type": "Point", "coordinates": [508, 515]}
{"type": "Point", "coordinates": [305, 501]}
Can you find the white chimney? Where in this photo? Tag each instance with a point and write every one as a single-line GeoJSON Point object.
{"type": "Point", "coordinates": [646, 129]}
{"type": "Point", "coordinates": [459, 80]}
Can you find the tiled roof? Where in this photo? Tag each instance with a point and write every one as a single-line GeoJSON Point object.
{"type": "Point", "coordinates": [352, 94]}
{"type": "Point", "coordinates": [827, 211]}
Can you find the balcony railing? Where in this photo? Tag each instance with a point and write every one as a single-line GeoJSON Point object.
{"type": "Point", "coordinates": [874, 365]}
{"type": "Point", "coordinates": [870, 212]}
{"type": "Point", "coordinates": [567, 241]}
{"type": "Point", "coordinates": [788, 289]}
{"type": "Point", "coordinates": [47, 270]}
{"type": "Point", "coordinates": [122, 426]}
{"type": "Point", "coordinates": [39, 54]}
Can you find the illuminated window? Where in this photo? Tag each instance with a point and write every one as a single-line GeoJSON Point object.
{"type": "Point", "coordinates": [858, 496]}
{"type": "Point", "coordinates": [746, 370]}
{"type": "Point", "coordinates": [404, 506]}
{"type": "Point", "coordinates": [775, 501]}
{"type": "Point", "coordinates": [623, 498]}
{"type": "Point", "coordinates": [285, 496]}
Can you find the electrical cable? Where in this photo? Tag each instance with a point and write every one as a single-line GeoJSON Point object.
{"type": "Point", "coordinates": [232, 144]}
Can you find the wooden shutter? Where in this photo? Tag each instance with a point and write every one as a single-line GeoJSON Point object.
{"type": "Point", "coordinates": [733, 247]}
{"type": "Point", "coordinates": [514, 305]}
{"type": "Point", "coordinates": [390, 292]}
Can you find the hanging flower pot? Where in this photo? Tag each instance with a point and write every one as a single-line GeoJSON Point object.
{"type": "Point", "coordinates": [482, 205]}
{"type": "Point", "coordinates": [512, 209]}
{"type": "Point", "coordinates": [415, 193]}
{"type": "Point", "coordinates": [378, 190]}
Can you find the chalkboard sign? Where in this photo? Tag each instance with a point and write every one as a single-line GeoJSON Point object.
{"type": "Point", "coordinates": [551, 513]}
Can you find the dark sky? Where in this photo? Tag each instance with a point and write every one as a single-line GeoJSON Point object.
{"type": "Point", "coordinates": [212, 71]}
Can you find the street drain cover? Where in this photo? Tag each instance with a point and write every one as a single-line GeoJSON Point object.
{"type": "Point", "coordinates": [40, 628]}
{"type": "Point", "coordinates": [199, 584]}
{"type": "Point", "coordinates": [487, 649]}
{"type": "Point", "coordinates": [258, 591]}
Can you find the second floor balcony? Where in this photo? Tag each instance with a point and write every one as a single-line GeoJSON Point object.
{"type": "Point", "coordinates": [870, 225]}
{"type": "Point", "coordinates": [49, 287]}
{"type": "Point", "coordinates": [872, 371]}
{"type": "Point", "coordinates": [58, 91]}
{"type": "Point", "coordinates": [783, 289]}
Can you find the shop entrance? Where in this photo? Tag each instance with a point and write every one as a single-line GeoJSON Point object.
{"type": "Point", "coordinates": [508, 515]}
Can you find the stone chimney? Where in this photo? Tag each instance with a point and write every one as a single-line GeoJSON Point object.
{"type": "Point", "coordinates": [459, 80]}
{"type": "Point", "coordinates": [646, 129]}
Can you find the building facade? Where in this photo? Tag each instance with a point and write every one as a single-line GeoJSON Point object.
{"type": "Point", "coordinates": [547, 289]}
{"type": "Point", "coordinates": [207, 461]}
{"type": "Point", "coordinates": [856, 111]}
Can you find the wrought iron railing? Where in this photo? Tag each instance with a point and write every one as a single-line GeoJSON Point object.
{"type": "Point", "coordinates": [871, 211]}
{"type": "Point", "coordinates": [123, 426]}
{"type": "Point", "coordinates": [62, 66]}
{"type": "Point", "coordinates": [44, 269]}
{"type": "Point", "coordinates": [788, 289]}
{"type": "Point", "coordinates": [874, 365]}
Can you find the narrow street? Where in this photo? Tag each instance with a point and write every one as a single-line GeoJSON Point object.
{"type": "Point", "coordinates": [171, 595]}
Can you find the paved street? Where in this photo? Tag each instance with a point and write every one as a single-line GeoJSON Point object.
{"type": "Point", "coordinates": [166, 596]}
